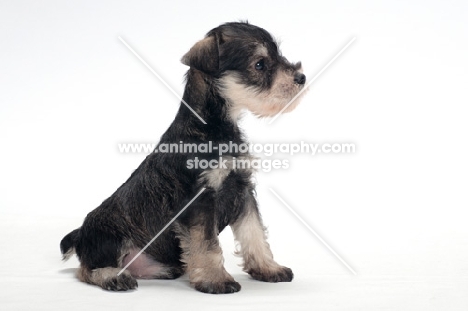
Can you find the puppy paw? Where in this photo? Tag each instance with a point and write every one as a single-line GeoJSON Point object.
{"type": "Point", "coordinates": [217, 287]}
{"type": "Point", "coordinates": [123, 282]}
{"type": "Point", "coordinates": [281, 274]}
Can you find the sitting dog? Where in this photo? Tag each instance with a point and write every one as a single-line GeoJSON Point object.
{"type": "Point", "coordinates": [237, 66]}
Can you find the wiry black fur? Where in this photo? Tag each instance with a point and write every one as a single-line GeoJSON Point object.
{"type": "Point", "coordinates": [69, 241]}
{"type": "Point", "coordinates": [162, 184]}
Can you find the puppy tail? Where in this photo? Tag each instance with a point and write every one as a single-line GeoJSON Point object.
{"type": "Point", "coordinates": [68, 243]}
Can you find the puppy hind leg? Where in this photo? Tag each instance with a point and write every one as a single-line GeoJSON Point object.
{"type": "Point", "coordinates": [100, 253]}
{"type": "Point", "coordinates": [107, 278]}
{"type": "Point", "coordinates": [250, 233]}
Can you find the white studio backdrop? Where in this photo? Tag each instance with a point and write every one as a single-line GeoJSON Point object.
{"type": "Point", "coordinates": [70, 92]}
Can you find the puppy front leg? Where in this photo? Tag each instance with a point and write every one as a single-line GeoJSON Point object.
{"type": "Point", "coordinates": [258, 259]}
{"type": "Point", "coordinates": [204, 259]}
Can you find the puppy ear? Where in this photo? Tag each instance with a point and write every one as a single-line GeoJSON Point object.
{"type": "Point", "coordinates": [204, 55]}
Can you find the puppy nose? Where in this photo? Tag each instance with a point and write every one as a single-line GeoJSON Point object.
{"type": "Point", "coordinates": [299, 78]}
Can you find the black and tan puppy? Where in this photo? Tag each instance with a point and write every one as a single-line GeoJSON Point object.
{"type": "Point", "coordinates": [236, 66]}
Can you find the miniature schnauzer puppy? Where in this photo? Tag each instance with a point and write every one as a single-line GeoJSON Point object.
{"type": "Point", "coordinates": [237, 66]}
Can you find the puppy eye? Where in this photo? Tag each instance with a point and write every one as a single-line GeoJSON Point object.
{"type": "Point", "coordinates": [260, 65]}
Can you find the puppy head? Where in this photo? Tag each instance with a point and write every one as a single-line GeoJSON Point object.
{"type": "Point", "coordinates": [250, 70]}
